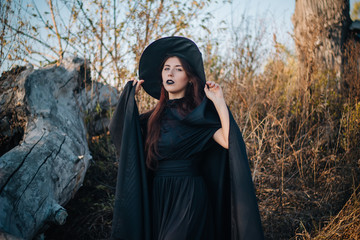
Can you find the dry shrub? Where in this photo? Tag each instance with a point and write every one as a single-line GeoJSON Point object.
{"type": "Point", "coordinates": [302, 139]}
{"type": "Point", "coordinates": [345, 225]}
{"type": "Point", "coordinates": [351, 69]}
{"type": "Point", "coordinates": [12, 114]}
{"type": "Point", "coordinates": [350, 123]}
{"type": "Point", "coordinates": [295, 131]}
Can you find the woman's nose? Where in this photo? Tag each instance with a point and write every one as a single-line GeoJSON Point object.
{"type": "Point", "coordinates": [170, 73]}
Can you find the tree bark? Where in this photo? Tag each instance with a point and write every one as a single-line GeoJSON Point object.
{"type": "Point", "coordinates": [44, 170]}
{"type": "Point", "coordinates": [320, 29]}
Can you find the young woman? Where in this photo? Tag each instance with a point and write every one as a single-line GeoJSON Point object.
{"type": "Point", "coordinates": [183, 170]}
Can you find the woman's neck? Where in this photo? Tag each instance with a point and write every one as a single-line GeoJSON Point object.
{"type": "Point", "coordinates": [176, 96]}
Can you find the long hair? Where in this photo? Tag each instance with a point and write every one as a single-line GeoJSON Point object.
{"type": "Point", "coordinates": [193, 97]}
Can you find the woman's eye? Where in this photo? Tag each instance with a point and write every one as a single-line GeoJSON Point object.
{"type": "Point", "coordinates": [166, 69]}
{"type": "Point", "coordinates": [179, 69]}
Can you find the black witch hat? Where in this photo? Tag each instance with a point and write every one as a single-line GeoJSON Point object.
{"type": "Point", "coordinates": [154, 55]}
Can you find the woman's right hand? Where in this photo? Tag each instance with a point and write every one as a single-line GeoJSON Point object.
{"type": "Point", "coordinates": [138, 84]}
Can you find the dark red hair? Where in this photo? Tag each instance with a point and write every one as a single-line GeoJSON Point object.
{"type": "Point", "coordinates": [193, 97]}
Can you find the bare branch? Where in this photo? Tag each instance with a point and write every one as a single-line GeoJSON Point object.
{"type": "Point", "coordinates": [61, 53]}
{"type": "Point", "coordinates": [33, 38]}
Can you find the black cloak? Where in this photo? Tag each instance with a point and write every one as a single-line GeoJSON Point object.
{"type": "Point", "coordinates": [226, 173]}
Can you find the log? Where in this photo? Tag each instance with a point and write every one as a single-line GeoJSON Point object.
{"type": "Point", "coordinates": [43, 170]}
{"type": "Point", "coordinates": [7, 236]}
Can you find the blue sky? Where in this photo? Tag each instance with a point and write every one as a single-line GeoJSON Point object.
{"type": "Point", "coordinates": [275, 13]}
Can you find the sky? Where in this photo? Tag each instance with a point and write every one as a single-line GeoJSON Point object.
{"type": "Point", "coordinates": [276, 14]}
{"type": "Point", "coordinates": [273, 15]}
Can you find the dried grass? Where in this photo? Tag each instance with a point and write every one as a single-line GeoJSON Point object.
{"type": "Point", "coordinates": [302, 137]}
{"type": "Point", "coordinates": [345, 225]}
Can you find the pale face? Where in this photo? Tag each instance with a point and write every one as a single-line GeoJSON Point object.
{"type": "Point", "coordinates": [174, 78]}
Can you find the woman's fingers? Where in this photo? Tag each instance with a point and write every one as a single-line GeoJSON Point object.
{"type": "Point", "coordinates": [134, 81]}
{"type": "Point", "coordinates": [138, 85]}
{"type": "Point", "coordinates": [212, 85]}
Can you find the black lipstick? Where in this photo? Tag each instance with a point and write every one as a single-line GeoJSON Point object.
{"type": "Point", "coordinates": [169, 81]}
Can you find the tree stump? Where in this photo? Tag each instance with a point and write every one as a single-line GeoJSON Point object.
{"type": "Point", "coordinates": [42, 120]}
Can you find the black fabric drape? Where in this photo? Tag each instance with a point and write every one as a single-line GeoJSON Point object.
{"type": "Point", "coordinates": [131, 219]}
{"type": "Point", "coordinates": [226, 173]}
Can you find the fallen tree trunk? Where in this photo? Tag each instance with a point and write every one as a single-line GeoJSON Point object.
{"type": "Point", "coordinates": [45, 170]}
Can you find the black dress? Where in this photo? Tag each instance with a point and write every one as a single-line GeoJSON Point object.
{"type": "Point", "coordinates": [180, 202]}
{"type": "Point", "coordinates": [168, 205]}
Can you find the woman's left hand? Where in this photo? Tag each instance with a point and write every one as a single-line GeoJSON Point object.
{"type": "Point", "coordinates": [213, 91]}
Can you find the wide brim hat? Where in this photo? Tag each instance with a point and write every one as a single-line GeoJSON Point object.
{"type": "Point", "coordinates": [154, 55]}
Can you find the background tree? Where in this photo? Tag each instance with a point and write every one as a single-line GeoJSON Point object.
{"type": "Point", "coordinates": [320, 32]}
{"type": "Point", "coordinates": [111, 34]}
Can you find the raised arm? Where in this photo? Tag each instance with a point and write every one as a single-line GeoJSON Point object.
{"type": "Point", "coordinates": [214, 92]}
